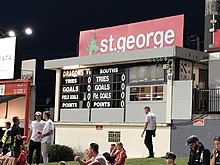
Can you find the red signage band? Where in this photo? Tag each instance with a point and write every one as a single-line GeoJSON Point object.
{"type": "Point", "coordinates": [147, 34]}
{"type": "Point", "coordinates": [217, 38]}
{"type": "Point", "coordinates": [15, 89]}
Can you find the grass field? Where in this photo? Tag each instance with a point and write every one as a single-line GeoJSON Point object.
{"type": "Point", "coordinates": [141, 161]}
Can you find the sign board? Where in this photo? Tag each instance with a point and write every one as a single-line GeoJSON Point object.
{"type": "Point", "coordinates": [147, 34]}
{"type": "Point", "coordinates": [10, 63]}
{"type": "Point", "coordinates": [217, 38]}
{"type": "Point", "coordinates": [199, 122]}
{"type": "Point", "coordinates": [100, 87]}
{"type": "Point", "coordinates": [99, 127]}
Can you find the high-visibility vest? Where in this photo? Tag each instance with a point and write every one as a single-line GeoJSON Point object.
{"type": "Point", "coordinates": [6, 137]}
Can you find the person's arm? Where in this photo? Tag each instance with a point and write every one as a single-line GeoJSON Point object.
{"type": "Point", "coordinates": [29, 136]}
{"type": "Point", "coordinates": [81, 162]}
{"type": "Point", "coordinates": [206, 157]}
{"type": "Point", "coordinates": [48, 133]}
{"type": "Point", "coordinates": [145, 127]}
{"type": "Point", "coordinates": [113, 152]}
{"type": "Point", "coordinates": [213, 157]}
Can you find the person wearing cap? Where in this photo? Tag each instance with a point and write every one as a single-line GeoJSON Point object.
{"type": "Point", "coordinates": [34, 141]}
{"type": "Point", "coordinates": [6, 139]}
{"type": "Point", "coordinates": [215, 156]}
{"type": "Point", "coordinates": [199, 155]}
{"type": "Point", "coordinates": [149, 130]}
{"type": "Point", "coordinates": [170, 158]}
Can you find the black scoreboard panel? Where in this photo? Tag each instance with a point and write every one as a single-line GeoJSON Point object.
{"type": "Point", "coordinates": [75, 85]}
{"type": "Point", "coordinates": [101, 87]}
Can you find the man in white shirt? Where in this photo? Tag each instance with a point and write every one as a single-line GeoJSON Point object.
{"type": "Point", "coordinates": [97, 159]}
{"type": "Point", "coordinates": [35, 143]}
{"type": "Point", "coordinates": [150, 129]}
{"type": "Point", "coordinates": [46, 136]}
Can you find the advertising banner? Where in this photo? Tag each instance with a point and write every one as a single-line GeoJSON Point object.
{"type": "Point", "coordinates": [147, 34]}
{"type": "Point", "coordinates": [7, 57]}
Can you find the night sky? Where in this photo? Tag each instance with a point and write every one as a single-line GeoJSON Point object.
{"type": "Point", "coordinates": [56, 25]}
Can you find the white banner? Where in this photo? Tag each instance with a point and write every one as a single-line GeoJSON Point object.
{"type": "Point", "coordinates": [7, 57]}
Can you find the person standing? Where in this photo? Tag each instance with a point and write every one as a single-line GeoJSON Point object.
{"type": "Point", "coordinates": [215, 156]}
{"type": "Point", "coordinates": [35, 143]}
{"type": "Point", "coordinates": [199, 155]}
{"type": "Point", "coordinates": [46, 136]}
{"type": "Point", "coordinates": [150, 129]}
{"type": "Point", "coordinates": [16, 140]}
{"type": "Point", "coordinates": [6, 139]}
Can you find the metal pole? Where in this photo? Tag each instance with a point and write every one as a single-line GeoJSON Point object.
{"type": "Point", "coordinates": [27, 109]}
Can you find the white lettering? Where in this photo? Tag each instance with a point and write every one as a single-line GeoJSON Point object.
{"type": "Point", "coordinates": [130, 42]}
{"type": "Point", "coordinates": [102, 78]}
{"type": "Point", "coordinates": [109, 70]}
{"type": "Point", "coordinates": [169, 36]}
{"type": "Point", "coordinates": [152, 39]}
{"type": "Point", "coordinates": [158, 35]}
{"type": "Point", "coordinates": [70, 89]}
{"type": "Point", "coordinates": [140, 38]}
{"type": "Point", "coordinates": [71, 81]}
{"type": "Point", "coordinates": [121, 43]}
{"type": "Point", "coordinates": [101, 104]}
{"type": "Point", "coordinates": [102, 87]}
{"type": "Point", "coordinates": [69, 105]}
{"type": "Point", "coordinates": [111, 39]}
{"type": "Point", "coordinates": [104, 45]}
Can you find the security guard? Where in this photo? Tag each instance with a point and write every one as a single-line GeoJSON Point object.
{"type": "Point", "coordinates": [6, 139]}
{"type": "Point", "coordinates": [199, 155]}
{"type": "Point", "coordinates": [215, 156]}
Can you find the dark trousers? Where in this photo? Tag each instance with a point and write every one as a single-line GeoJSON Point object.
{"type": "Point", "coordinates": [34, 146]}
{"type": "Point", "coordinates": [148, 141]}
{"type": "Point", "coordinates": [5, 149]}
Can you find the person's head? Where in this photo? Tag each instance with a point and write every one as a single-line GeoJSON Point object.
{"type": "Point", "coordinates": [119, 145]}
{"type": "Point", "coordinates": [112, 146]}
{"type": "Point", "coordinates": [170, 157]}
{"type": "Point", "coordinates": [16, 120]}
{"type": "Point", "coordinates": [193, 142]}
{"type": "Point", "coordinates": [216, 142]}
{"type": "Point", "coordinates": [38, 115]}
{"type": "Point", "coordinates": [94, 149]}
{"type": "Point", "coordinates": [7, 125]}
{"type": "Point", "coordinates": [87, 154]}
{"type": "Point", "coordinates": [146, 109]}
{"type": "Point", "coordinates": [46, 115]}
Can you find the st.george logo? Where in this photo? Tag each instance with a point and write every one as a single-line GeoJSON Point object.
{"type": "Point", "coordinates": [92, 46]}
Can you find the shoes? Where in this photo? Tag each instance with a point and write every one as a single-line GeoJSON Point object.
{"type": "Point", "coordinates": [151, 156]}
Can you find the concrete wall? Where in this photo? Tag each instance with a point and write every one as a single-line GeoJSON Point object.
{"type": "Point", "coordinates": [182, 129]}
{"type": "Point", "coordinates": [80, 135]}
{"type": "Point", "coordinates": [181, 108]}
{"type": "Point", "coordinates": [182, 100]}
{"type": "Point", "coordinates": [214, 74]}
{"type": "Point", "coordinates": [16, 107]}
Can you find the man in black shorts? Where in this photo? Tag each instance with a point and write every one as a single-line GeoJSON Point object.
{"type": "Point", "coordinates": [16, 140]}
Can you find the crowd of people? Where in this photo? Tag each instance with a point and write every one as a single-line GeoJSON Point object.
{"type": "Point", "coordinates": [18, 149]}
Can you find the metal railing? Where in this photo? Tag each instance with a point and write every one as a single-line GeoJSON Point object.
{"type": "Point", "coordinates": [206, 100]}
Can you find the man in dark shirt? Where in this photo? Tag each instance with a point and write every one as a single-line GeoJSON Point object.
{"type": "Point", "coordinates": [199, 155]}
{"type": "Point", "coordinates": [16, 140]}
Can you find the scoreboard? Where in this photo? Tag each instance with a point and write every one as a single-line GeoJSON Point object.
{"type": "Point", "coordinates": [101, 87]}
